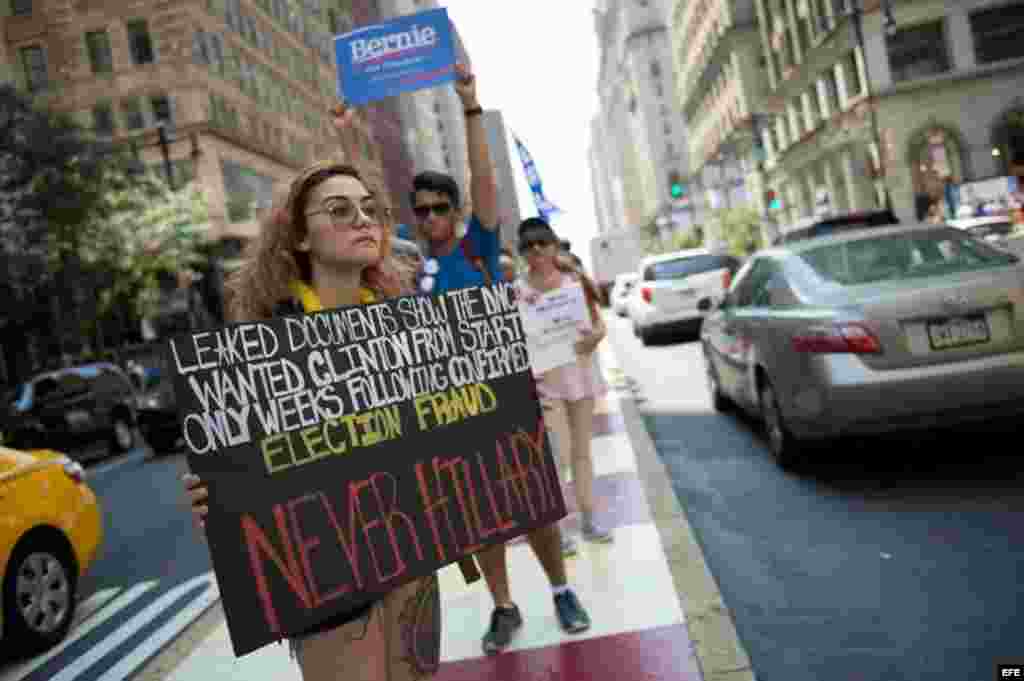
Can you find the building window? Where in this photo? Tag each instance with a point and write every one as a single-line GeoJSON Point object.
{"type": "Point", "coordinates": [659, 91]}
{"type": "Point", "coordinates": [245, 189]}
{"type": "Point", "coordinates": [200, 50]}
{"type": "Point", "coordinates": [162, 110]}
{"type": "Point", "coordinates": [825, 22]}
{"type": "Point", "coordinates": [139, 43]}
{"type": "Point", "coordinates": [997, 33]}
{"type": "Point", "coordinates": [33, 60]}
{"type": "Point", "coordinates": [21, 8]}
{"type": "Point", "coordinates": [655, 70]}
{"type": "Point", "coordinates": [131, 111]}
{"type": "Point", "coordinates": [854, 84]}
{"type": "Point", "coordinates": [1008, 140]}
{"type": "Point", "coordinates": [103, 119]}
{"type": "Point", "coordinates": [830, 103]}
{"type": "Point", "coordinates": [918, 52]}
{"type": "Point", "coordinates": [100, 55]}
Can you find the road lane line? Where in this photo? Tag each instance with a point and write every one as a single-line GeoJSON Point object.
{"type": "Point", "coordinates": [162, 636]}
{"type": "Point", "coordinates": [126, 630]}
{"type": "Point", "coordinates": [20, 671]}
{"type": "Point", "coordinates": [87, 607]}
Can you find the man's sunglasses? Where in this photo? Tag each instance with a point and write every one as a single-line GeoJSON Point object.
{"type": "Point", "coordinates": [438, 209]}
{"type": "Point", "coordinates": [527, 246]}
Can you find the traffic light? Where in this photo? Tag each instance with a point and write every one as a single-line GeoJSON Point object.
{"type": "Point", "coordinates": [772, 200]}
{"type": "Point", "coordinates": [676, 188]}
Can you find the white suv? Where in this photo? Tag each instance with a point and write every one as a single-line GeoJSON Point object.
{"type": "Point", "coordinates": [670, 286]}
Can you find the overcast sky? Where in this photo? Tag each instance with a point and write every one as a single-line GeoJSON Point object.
{"type": "Point", "coordinates": [536, 61]}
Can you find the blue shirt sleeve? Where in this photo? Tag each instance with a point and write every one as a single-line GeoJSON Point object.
{"type": "Point", "coordinates": [486, 244]}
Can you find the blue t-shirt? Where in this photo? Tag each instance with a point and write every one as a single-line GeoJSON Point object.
{"type": "Point", "coordinates": [455, 270]}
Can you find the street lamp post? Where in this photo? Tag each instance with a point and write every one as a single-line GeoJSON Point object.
{"type": "Point", "coordinates": [857, 12]}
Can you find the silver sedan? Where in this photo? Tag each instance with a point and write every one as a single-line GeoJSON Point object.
{"type": "Point", "coordinates": [868, 332]}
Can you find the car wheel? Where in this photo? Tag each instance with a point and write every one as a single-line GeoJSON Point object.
{"type": "Point", "coordinates": [122, 434]}
{"type": "Point", "coordinates": [785, 448]}
{"type": "Point", "coordinates": [39, 595]}
{"type": "Point", "coordinates": [646, 335]}
{"type": "Point", "coordinates": [718, 399]}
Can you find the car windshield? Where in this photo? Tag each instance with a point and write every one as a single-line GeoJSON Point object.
{"type": "Point", "coordinates": [902, 256]}
{"type": "Point", "coordinates": [680, 268]}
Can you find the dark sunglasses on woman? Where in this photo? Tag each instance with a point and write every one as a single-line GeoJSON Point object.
{"type": "Point", "coordinates": [527, 246]}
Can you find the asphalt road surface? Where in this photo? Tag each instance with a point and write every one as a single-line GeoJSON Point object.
{"type": "Point", "coordinates": [878, 563]}
{"type": "Point", "coordinates": [151, 580]}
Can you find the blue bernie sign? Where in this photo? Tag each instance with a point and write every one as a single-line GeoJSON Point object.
{"type": "Point", "coordinates": [409, 53]}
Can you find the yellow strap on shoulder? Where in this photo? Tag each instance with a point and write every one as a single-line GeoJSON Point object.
{"type": "Point", "coordinates": [311, 301]}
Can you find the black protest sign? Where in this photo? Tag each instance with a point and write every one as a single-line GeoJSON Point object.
{"type": "Point", "coordinates": [352, 450]}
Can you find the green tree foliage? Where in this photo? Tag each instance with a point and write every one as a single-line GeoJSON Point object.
{"type": "Point", "coordinates": [654, 244]}
{"type": "Point", "coordinates": [49, 183]}
{"type": "Point", "coordinates": [741, 230]}
{"type": "Point", "coordinates": [81, 230]}
{"type": "Point", "coordinates": [143, 230]}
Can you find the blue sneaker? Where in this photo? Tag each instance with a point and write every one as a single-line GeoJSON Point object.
{"type": "Point", "coordinates": [571, 614]}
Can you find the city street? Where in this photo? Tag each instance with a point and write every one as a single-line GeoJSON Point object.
{"type": "Point", "coordinates": [151, 581]}
{"type": "Point", "coordinates": [877, 563]}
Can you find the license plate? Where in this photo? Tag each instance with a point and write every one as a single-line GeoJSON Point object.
{"type": "Point", "coordinates": [956, 333]}
{"type": "Point", "coordinates": [687, 293]}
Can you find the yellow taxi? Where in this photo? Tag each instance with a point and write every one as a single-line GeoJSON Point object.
{"type": "Point", "coordinates": [51, 529]}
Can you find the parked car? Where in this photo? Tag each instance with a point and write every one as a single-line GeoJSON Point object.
{"type": "Point", "coordinates": [158, 412]}
{"type": "Point", "coordinates": [817, 226]}
{"type": "Point", "coordinates": [869, 332]}
{"type": "Point", "coordinates": [51, 533]}
{"type": "Point", "coordinates": [69, 408]}
{"type": "Point", "coordinates": [621, 289]}
{"type": "Point", "coordinates": [670, 286]}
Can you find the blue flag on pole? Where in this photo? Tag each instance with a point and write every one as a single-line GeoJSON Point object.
{"type": "Point", "coordinates": [545, 208]}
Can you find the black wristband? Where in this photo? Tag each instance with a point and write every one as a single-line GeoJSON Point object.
{"type": "Point", "coordinates": [475, 111]}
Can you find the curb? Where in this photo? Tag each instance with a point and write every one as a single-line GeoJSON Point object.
{"type": "Point", "coordinates": [719, 652]}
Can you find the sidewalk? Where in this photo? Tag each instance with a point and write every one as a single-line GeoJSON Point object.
{"type": "Point", "coordinates": [635, 589]}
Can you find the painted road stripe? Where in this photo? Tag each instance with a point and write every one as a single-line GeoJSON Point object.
{"type": "Point", "coordinates": [162, 636]}
{"type": "Point", "coordinates": [90, 605]}
{"type": "Point", "coordinates": [126, 630]}
{"type": "Point", "coordinates": [20, 671]}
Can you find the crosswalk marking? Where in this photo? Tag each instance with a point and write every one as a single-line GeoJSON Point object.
{"type": "Point", "coordinates": [20, 671]}
{"type": "Point", "coordinates": [129, 628]}
{"type": "Point", "coordinates": [90, 605]}
{"type": "Point", "coordinates": [155, 643]}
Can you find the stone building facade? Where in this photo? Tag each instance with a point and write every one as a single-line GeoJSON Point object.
{"type": "Point", "coordinates": [243, 88]}
{"type": "Point", "coordinates": [719, 89]}
{"type": "Point", "coordinates": [931, 99]}
{"type": "Point", "coordinates": [638, 139]}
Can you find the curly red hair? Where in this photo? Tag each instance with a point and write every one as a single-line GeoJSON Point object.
{"type": "Point", "coordinates": [273, 260]}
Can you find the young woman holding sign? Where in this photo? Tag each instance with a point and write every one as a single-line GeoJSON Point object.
{"type": "Point", "coordinates": [327, 246]}
{"type": "Point", "coordinates": [567, 393]}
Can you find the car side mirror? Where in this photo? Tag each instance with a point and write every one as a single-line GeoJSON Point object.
{"type": "Point", "coordinates": [705, 304]}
